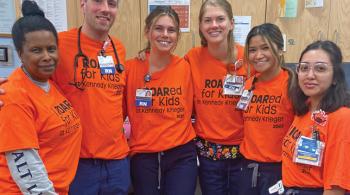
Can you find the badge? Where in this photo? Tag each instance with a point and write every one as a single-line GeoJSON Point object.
{"type": "Point", "coordinates": [244, 101]}
{"type": "Point", "coordinates": [107, 65]}
{"type": "Point", "coordinates": [233, 85]}
{"type": "Point", "coordinates": [309, 151]}
{"type": "Point", "coordinates": [278, 187]}
{"type": "Point", "coordinates": [143, 97]}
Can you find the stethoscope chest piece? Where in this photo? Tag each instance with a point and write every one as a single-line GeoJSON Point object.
{"type": "Point", "coordinates": [120, 68]}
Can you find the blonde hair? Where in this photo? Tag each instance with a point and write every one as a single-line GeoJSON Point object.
{"type": "Point", "coordinates": [158, 12]}
{"type": "Point", "coordinates": [226, 6]}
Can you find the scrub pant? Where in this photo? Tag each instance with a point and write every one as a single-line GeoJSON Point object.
{"type": "Point", "coordinates": [219, 177]}
{"type": "Point", "coordinates": [303, 191]}
{"type": "Point", "coordinates": [258, 177]}
{"type": "Point", "coordinates": [171, 172]}
{"type": "Point", "coordinates": [101, 177]}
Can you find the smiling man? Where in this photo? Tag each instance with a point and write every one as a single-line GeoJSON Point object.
{"type": "Point", "coordinates": [91, 76]}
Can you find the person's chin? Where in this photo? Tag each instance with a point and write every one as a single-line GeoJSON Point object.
{"type": "Point", "coordinates": [215, 40]}
{"type": "Point", "coordinates": [48, 70]}
{"type": "Point", "coordinates": [104, 28]}
{"type": "Point", "coordinates": [260, 69]}
{"type": "Point", "coordinates": [47, 73]}
{"type": "Point", "coordinates": [42, 77]}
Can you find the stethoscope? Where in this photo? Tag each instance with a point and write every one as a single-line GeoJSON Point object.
{"type": "Point", "coordinates": [80, 85]}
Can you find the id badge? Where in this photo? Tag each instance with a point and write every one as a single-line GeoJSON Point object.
{"type": "Point", "coordinates": [107, 65]}
{"type": "Point", "coordinates": [278, 187]}
{"type": "Point", "coordinates": [233, 85]}
{"type": "Point", "coordinates": [309, 151]}
{"type": "Point", "coordinates": [244, 101]}
{"type": "Point", "coordinates": [143, 98]}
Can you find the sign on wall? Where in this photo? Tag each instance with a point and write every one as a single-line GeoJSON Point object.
{"type": "Point", "coordinates": [56, 12]}
{"type": "Point", "coordinates": [182, 8]}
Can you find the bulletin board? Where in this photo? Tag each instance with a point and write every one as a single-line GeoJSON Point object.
{"type": "Point", "coordinates": [7, 17]}
{"type": "Point", "coordinates": [8, 56]}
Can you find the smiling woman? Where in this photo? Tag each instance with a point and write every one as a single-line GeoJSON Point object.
{"type": "Point", "coordinates": [159, 107]}
{"type": "Point", "coordinates": [39, 54]}
{"type": "Point", "coordinates": [322, 104]}
{"type": "Point", "coordinates": [218, 125]}
{"type": "Point", "coordinates": [39, 144]}
{"type": "Point", "coordinates": [270, 107]}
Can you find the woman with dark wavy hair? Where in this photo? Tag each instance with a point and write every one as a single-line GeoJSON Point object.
{"type": "Point", "coordinates": [314, 158]}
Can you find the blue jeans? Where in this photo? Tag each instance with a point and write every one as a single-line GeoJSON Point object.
{"type": "Point", "coordinates": [219, 177]}
{"type": "Point", "coordinates": [172, 172]}
{"type": "Point", "coordinates": [101, 177]}
{"type": "Point", "coordinates": [258, 177]}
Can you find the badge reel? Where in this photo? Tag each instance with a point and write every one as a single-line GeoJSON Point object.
{"type": "Point", "coordinates": [233, 84]}
{"type": "Point", "coordinates": [106, 63]}
{"type": "Point", "coordinates": [244, 101]}
{"type": "Point", "coordinates": [144, 96]}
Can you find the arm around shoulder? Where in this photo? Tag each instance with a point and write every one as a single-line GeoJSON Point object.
{"type": "Point", "coordinates": [2, 91]}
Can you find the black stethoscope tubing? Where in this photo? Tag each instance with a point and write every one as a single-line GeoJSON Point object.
{"type": "Point", "coordinates": [119, 67]}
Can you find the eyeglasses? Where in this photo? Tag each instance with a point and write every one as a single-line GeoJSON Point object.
{"type": "Point", "coordinates": [317, 68]}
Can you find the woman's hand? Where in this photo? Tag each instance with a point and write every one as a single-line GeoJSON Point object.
{"type": "Point", "coordinates": [334, 191]}
{"type": "Point", "coordinates": [2, 91]}
{"type": "Point", "coordinates": [141, 55]}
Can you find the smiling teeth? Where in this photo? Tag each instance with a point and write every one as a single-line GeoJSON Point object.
{"type": "Point", "coordinates": [165, 43]}
{"type": "Point", "coordinates": [214, 33]}
{"type": "Point", "coordinates": [102, 17]}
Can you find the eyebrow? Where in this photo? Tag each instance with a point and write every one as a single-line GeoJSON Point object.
{"type": "Point", "coordinates": [263, 45]}
{"type": "Point", "coordinates": [166, 26]}
{"type": "Point", "coordinates": [314, 62]}
{"type": "Point", "coordinates": [214, 16]}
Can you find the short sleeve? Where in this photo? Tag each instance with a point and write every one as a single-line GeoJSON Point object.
{"type": "Point", "coordinates": [17, 127]}
{"type": "Point", "coordinates": [336, 158]}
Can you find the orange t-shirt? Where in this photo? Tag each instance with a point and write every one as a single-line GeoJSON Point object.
{"type": "Point", "coordinates": [217, 120]}
{"type": "Point", "coordinates": [167, 123]}
{"type": "Point", "coordinates": [32, 118]}
{"type": "Point", "coordinates": [267, 119]}
{"type": "Point", "coordinates": [334, 170]}
{"type": "Point", "coordinates": [99, 105]}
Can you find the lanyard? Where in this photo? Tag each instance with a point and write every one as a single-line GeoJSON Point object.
{"type": "Point", "coordinates": [80, 84]}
